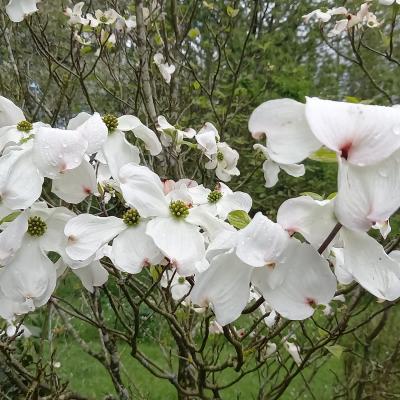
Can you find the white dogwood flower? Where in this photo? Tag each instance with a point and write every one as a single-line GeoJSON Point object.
{"type": "Point", "coordinates": [292, 277]}
{"type": "Point", "coordinates": [17, 10]}
{"type": "Point", "coordinates": [74, 14]}
{"type": "Point", "coordinates": [289, 136]}
{"type": "Point", "coordinates": [165, 69]}
{"type": "Point", "coordinates": [177, 284]}
{"type": "Point", "coordinates": [171, 135]}
{"type": "Point", "coordinates": [271, 168]}
{"type": "Point", "coordinates": [171, 227]}
{"type": "Point", "coordinates": [132, 248]}
{"type": "Point", "coordinates": [224, 162]}
{"type": "Point", "coordinates": [360, 134]}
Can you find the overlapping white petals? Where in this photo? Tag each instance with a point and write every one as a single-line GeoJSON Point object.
{"type": "Point", "coordinates": [366, 260]}
{"type": "Point", "coordinates": [92, 128]}
{"type": "Point", "coordinates": [118, 152]}
{"type": "Point", "coordinates": [87, 233]}
{"type": "Point", "coordinates": [181, 242]}
{"type": "Point", "coordinates": [289, 137]}
{"type": "Point", "coordinates": [11, 238]}
{"type": "Point", "coordinates": [91, 276]}
{"type": "Point", "coordinates": [10, 114]}
{"type": "Point", "coordinates": [143, 190]}
{"type": "Point", "coordinates": [30, 278]}
{"type": "Point", "coordinates": [368, 195]}
{"type": "Point", "coordinates": [361, 134]}
{"type": "Point", "coordinates": [74, 185]}
{"type": "Point", "coordinates": [133, 249]}
{"type": "Point", "coordinates": [17, 10]}
{"type": "Point", "coordinates": [225, 286]}
{"type": "Point", "coordinates": [58, 150]}
{"type": "Point", "coordinates": [308, 283]}
{"type": "Point", "coordinates": [141, 131]}
{"type": "Point", "coordinates": [262, 242]}
{"type": "Point", "coordinates": [20, 180]}
{"type": "Point", "coordinates": [313, 219]}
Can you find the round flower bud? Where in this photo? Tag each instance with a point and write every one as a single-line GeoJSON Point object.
{"type": "Point", "coordinates": [24, 126]}
{"type": "Point", "coordinates": [111, 122]}
{"type": "Point", "coordinates": [179, 209]}
{"type": "Point", "coordinates": [36, 226]}
{"type": "Point", "coordinates": [214, 196]}
{"type": "Point", "coordinates": [131, 217]}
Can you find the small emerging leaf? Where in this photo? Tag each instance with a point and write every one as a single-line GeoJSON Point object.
{"type": "Point", "coordinates": [193, 33]}
{"type": "Point", "coordinates": [336, 350]}
{"type": "Point", "coordinates": [314, 196]}
{"type": "Point", "coordinates": [208, 5]}
{"type": "Point", "coordinates": [10, 217]}
{"type": "Point", "coordinates": [324, 155]}
{"type": "Point", "coordinates": [352, 99]}
{"type": "Point", "coordinates": [239, 219]}
{"type": "Point", "coordinates": [332, 196]}
{"type": "Point", "coordinates": [232, 12]}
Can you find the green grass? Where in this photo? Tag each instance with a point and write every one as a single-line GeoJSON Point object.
{"type": "Point", "coordinates": [87, 376]}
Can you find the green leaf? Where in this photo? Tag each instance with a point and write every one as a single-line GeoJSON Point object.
{"type": "Point", "coordinates": [352, 99]}
{"type": "Point", "coordinates": [193, 33]}
{"type": "Point", "coordinates": [239, 219]}
{"type": "Point", "coordinates": [154, 272]}
{"type": "Point", "coordinates": [208, 5]}
{"type": "Point", "coordinates": [196, 85]}
{"type": "Point", "coordinates": [158, 40]}
{"type": "Point", "coordinates": [332, 196]}
{"type": "Point", "coordinates": [324, 155]}
{"type": "Point", "coordinates": [313, 195]}
{"type": "Point", "coordinates": [86, 50]}
{"type": "Point", "coordinates": [232, 12]}
{"type": "Point", "coordinates": [336, 350]}
{"type": "Point", "coordinates": [10, 217]}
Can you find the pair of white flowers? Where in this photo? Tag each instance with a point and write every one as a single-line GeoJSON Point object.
{"type": "Point", "coordinates": [366, 140]}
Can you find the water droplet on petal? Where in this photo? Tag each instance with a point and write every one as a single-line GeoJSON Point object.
{"type": "Point", "coordinates": [383, 173]}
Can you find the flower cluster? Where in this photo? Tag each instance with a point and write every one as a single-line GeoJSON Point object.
{"type": "Point", "coordinates": [191, 230]}
{"type": "Point", "coordinates": [349, 20]}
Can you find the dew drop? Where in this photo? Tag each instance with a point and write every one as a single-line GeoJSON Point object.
{"type": "Point", "coordinates": [383, 173]}
{"type": "Point", "coordinates": [396, 130]}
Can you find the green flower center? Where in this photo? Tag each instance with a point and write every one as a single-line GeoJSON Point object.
{"type": "Point", "coordinates": [36, 226]}
{"type": "Point", "coordinates": [181, 280]}
{"type": "Point", "coordinates": [179, 209]}
{"type": "Point", "coordinates": [24, 126]}
{"type": "Point", "coordinates": [131, 217]}
{"type": "Point", "coordinates": [214, 196]}
{"type": "Point", "coordinates": [103, 19]}
{"type": "Point", "coordinates": [111, 122]}
{"type": "Point", "coordinates": [220, 156]}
